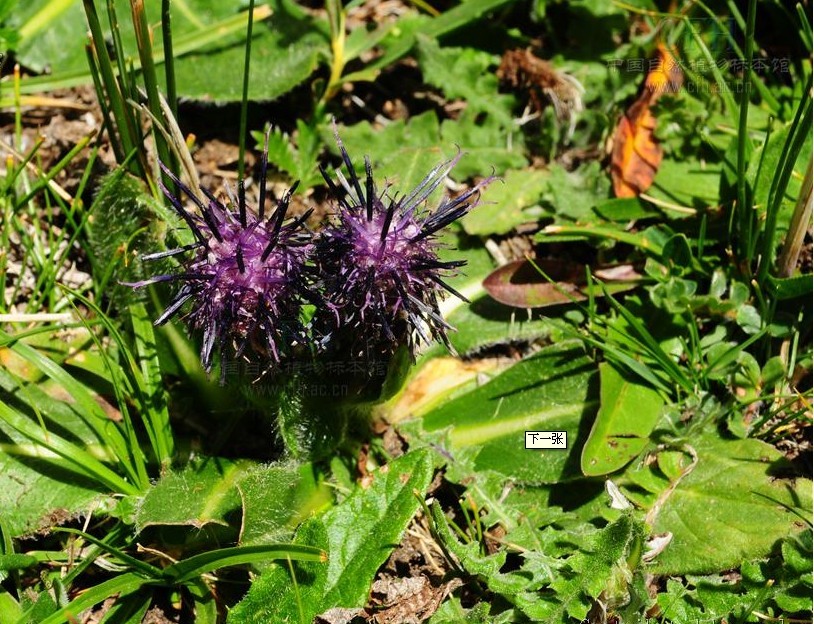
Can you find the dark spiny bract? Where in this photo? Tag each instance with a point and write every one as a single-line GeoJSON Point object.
{"type": "Point", "coordinates": [246, 278]}
{"type": "Point", "coordinates": [378, 261]}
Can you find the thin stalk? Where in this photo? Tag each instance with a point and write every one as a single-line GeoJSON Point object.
{"type": "Point", "coordinates": [748, 235]}
{"type": "Point", "coordinates": [46, 178]}
{"type": "Point", "coordinates": [18, 109]}
{"type": "Point", "coordinates": [800, 130]}
{"type": "Point", "coordinates": [762, 89]}
{"type": "Point", "coordinates": [107, 121]}
{"type": "Point", "coordinates": [800, 221]}
{"type": "Point", "coordinates": [744, 205]}
{"type": "Point", "coordinates": [244, 102]}
{"type": "Point", "coordinates": [118, 47]}
{"type": "Point", "coordinates": [169, 69]}
{"type": "Point", "coordinates": [145, 50]}
{"type": "Point", "coordinates": [126, 132]}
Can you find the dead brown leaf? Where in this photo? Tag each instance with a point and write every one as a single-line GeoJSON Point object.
{"type": "Point", "coordinates": [636, 154]}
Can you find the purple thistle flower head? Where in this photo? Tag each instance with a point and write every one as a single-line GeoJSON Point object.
{"type": "Point", "coordinates": [246, 276]}
{"type": "Point", "coordinates": [382, 276]}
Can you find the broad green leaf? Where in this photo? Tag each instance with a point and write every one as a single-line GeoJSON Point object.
{"type": "Point", "coordinates": [208, 45]}
{"type": "Point", "coordinates": [729, 507]}
{"type": "Point", "coordinates": [277, 498]}
{"type": "Point", "coordinates": [628, 412]}
{"type": "Point", "coordinates": [553, 390]}
{"type": "Point", "coordinates": [485, 322]}
{"type": "Point", "coordinates": [506, 204]}
{"type": "Point", "coordinates": [573, 194]}
{"type": "Point", "coordinates": [358, 536]}
{"type": "Point", "coordinates": [686, 184]}
{"type": "Point", "coordinates": [36, 493]}
{"type": "Point", "coordinates": [625, 210]}
{"type": "Point", "coordinates": [203, 493]}
{"type": "Point", "coordinates": [10, 610]}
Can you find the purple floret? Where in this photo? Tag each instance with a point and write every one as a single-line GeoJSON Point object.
{"type": "Point", "coordinates": [378, 260]}
{"type": "Point", "coordinates": [246, 279]}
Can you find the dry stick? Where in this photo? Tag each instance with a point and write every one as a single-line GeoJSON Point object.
{"type": "Point", "coordinates": [800, 224]}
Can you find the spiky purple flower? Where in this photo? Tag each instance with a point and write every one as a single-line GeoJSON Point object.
{"type": "Point", "coordinates": [379, 264]}
{"type": "Point", "coordinates": [246, 277]}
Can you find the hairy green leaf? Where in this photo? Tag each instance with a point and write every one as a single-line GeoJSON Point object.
{"type": "Point", "coordinates": [358, 536]}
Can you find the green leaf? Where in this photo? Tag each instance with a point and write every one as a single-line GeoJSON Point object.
{"type": "Point", "coordinates": [298, 161]}
{"type": "Point", "coordinates": [119, 212]}
{"type": "Point", "coordinates": [687, 184]}
{"type": "Point", "coordinates": [482, 322]}
{"type": "Point", "coordinates": [465, 74]}
{"type": "Point", "coordinates": [791, 287]}
{"type": "Point", "coordinates": [402, 153]}
{"type": "Point", "coordinates": [277, 498]}
{"type": "Point", "coordinates": [605, 566]}
{"type": "Point", "coordinates": [358, 536]}
{"type": "Point", "coordinates": [508, 203]}
{"type": "Point", "coordinates": [574, 194]}
{"type": "Point", "coordinates": [205, 492]}
{"type": "Point", "coordinates": [728, 508]}
{"type": "Point", "coordinates": [485, 145]}
{"type": "Point", "coordinates": [763, 165]}
{"type": "Point", "coordinates": [188, 569]}
{"type": "Point", "coordinates": [400, 40]}
{"type": "Point", "coordinates": [121, 585]}
{"type": "Point", "coordinates": [625, 209]}
{"type": "Point", "coordinates": [486, 322]}
{"type": "Point", "coordinates": [209, 46]}
{"type": "Point", "coordinates": [628, 412]}
{"type": "Point", "coordinates": [552, 390]}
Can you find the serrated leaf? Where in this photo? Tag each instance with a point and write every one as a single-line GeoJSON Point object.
{"type": "Point", "coordinates": [552, 390]}
{"type": "Point", "coordinates": [628, 412]}
{"type": "Point", "coordinates": [508, 203]}
{"type": "Point", "coordinates": [464, 73]}
{"type": "Point", "coordinates": [599, 568]}
{"type": "Point", "coordinates": [358, 536]}
{"type": "Point", "coordinates": [573, 194]}
{"type": "Point", "coordinates": [402, 153]}
{"type": "Point", "coordinates": [487, 147]}
{"type": "Point", "coordinates": [203, 493]}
